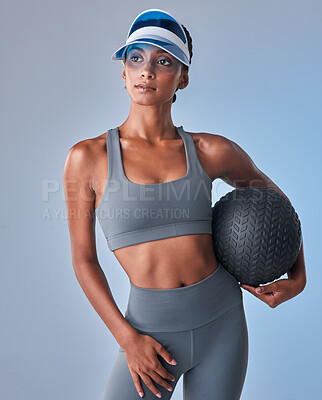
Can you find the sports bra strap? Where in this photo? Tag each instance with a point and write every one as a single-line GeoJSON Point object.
{"type": "Point", "coordinates": [115, 165]}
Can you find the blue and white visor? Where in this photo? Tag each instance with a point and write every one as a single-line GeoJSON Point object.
{"type": "Point", "coordinates": [161, 29]}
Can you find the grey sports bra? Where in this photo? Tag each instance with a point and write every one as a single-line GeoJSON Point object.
{"type": "Point", "coordinates": [130, 213]}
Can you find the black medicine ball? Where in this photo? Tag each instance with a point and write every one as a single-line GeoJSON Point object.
{"type": "Point", "coordinates": [256, 234]}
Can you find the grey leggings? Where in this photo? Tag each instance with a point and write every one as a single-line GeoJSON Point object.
{"type": "Point", "coordinates": [203, 326]}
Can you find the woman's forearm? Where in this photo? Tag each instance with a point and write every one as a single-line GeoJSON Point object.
{"type": "Point", "coordinates": [95, 286]}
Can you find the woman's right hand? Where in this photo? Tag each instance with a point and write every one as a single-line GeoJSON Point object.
{"type": "Point", "coordinates": [141, 355]}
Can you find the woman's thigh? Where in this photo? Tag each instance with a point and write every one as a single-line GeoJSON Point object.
{"type": "Point", "coordinates": [120, 384]}
{"type": "Point", "coordinates": [220, 358]}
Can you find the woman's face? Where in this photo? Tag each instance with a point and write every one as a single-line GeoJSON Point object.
{"type": "Point", "coordinates": [149, 64]}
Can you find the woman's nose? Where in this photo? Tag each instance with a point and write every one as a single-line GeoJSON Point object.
{"type": "Point", "coordinates": [147, 74]}
{"type": "Point", "coordinates": [147, 70]}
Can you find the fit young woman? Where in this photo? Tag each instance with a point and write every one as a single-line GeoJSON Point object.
{"type": "Point", "coordinates": [149, 183]}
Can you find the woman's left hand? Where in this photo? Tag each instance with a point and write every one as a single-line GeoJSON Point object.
{"type": "Point", "coordinates": [277, 292]}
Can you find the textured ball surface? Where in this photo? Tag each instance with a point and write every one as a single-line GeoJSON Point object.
{"type": "Point", "coordinates": [256, 234]}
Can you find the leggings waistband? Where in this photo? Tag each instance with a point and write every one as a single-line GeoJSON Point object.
{"type": "Point", "coordinates": [183, 308]}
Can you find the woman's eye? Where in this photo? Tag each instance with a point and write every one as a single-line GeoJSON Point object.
{"type": "Point", "coordinates": [134, 57]}
{"type": "Point", "coordinates": [165, 61]}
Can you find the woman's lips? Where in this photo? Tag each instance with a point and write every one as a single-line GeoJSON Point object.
{"type": "Point", "coordinates": [143, 88]}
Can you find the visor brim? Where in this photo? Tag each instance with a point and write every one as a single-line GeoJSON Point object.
{"type": "Point", "coordinates": [172, 49]}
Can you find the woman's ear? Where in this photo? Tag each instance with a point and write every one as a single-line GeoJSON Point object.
{"type": "Point", "coordinates": [184, 80]}
{"type": "Point", "coordinates": [124, 74]}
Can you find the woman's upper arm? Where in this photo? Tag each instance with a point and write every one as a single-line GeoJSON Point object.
{"type": "Point", "coordinates": [80, 197]}
{"type": "Point", "coordinates": [237, 168]}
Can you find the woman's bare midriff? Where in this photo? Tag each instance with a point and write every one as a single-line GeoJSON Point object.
{"type": "Point", "coordinates": [169, 263]}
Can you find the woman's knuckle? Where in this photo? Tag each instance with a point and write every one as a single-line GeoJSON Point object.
{"type": "Point", "coordinates": [150, 366]}
{"type": "Point", "coordinates": [141, 370]}
{"type": "Point", "coordinates": [162, 372]}
{"type": "Point", "coordinates": [155, 365]}
{"type": "Point", "coordinates": [159, 347]}
{"type": "Point", "coordinates": [136, 381]}
{"type": "Point", "coordinates": [146, 368]}
{"type": "Point", "coordinates": [151, 386]}
{"type": "Point", "coordinates": [146, 379]}
{"type": "Point", "coordinates": [161, 382]}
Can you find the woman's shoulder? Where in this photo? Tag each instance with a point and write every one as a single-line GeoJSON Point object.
{"type": "Point", "coordinates": [87, 149]}
{"type": "Point", "coordinates": [84, 157]}
{"type": "Point", "coordinates": [88, 144]}
{"type": "Point", "coordinates": [213, 150]}
{"type": "Point", "coordinates": [208, 142]}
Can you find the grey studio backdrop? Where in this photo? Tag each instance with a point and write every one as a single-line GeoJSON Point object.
{"type": "Point", "coordinates": [255, 78]}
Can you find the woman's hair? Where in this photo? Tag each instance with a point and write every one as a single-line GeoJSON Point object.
{"type": "Point", "coordinates": [183, 65]}
{"type": "Point", "coordinates": [190, 52]}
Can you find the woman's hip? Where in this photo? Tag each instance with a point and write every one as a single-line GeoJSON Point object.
{"type": "Point", "coordinates": [183, 308]}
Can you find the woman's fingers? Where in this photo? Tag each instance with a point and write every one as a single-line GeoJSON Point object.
{"type": "Point", "coordinates": [164, 373]}
{"type": "Point", "coordinates": [157, 378]}
{"type": "Point", "coordinates": [137, 383]}
{"type": "Point", "coordinates": [156, 373]}
{"type": "Point", "coordinates": [143, 362]}
{"type": "Point", "coordinates": [148, 381]}
{"type": "Point", "coordinates": [165, 354]}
